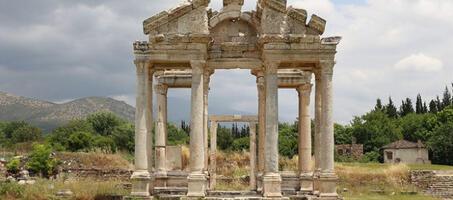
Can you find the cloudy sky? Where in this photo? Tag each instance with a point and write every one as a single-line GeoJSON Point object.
{"type": "Point", "coordinates": [62, 50]}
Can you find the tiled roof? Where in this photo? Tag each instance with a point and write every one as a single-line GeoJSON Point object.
{"type": "Point", "coordinates": [403, 144]}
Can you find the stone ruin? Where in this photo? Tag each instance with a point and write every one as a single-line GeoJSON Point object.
{"type": "Point", "coordinates": [276, 43]}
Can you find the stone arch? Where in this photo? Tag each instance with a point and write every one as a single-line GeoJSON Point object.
{"type": "Point", "coordinates": [227, 27]}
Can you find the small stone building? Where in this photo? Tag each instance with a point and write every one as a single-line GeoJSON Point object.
{"type": "Point", "coordinates": [403, 151]}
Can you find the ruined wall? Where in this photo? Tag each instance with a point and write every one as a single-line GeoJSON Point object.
{"type": "Point", "coordinates": [432, 183]}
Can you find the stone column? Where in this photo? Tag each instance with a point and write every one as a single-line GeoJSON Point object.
{"type": "Point", "coordinates": [197, 178]}
{"type": "Point", "coordinates": [150, 124]}
{"type": "Point", "coordinates": [161, 135]}
{"type": "Point", "coordinates": [306, 175]}
{"type": "Point", "coordinates": [206, 79]}
{"type": "Point", "coordinates": [327, 177]}
{"type": "Point", "coordinates": [261, 125]}
{"type": "Point", "coordinates": [271, 179]}
{"type": "Point", "coordinates": [141, 176]}
{"type": "Point", "coordinates": [318, 112]}
{"type": "Point", "coordinates": [252, 155]}
{"type": "Point", "coordinates": [212, 169]}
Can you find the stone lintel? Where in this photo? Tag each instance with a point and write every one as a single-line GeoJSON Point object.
{"type": "Point", "coordinates": [233, 118]}
{"type": "Point", "coordinates": [174, 38]}
{"type": "Point", "coordinates": [331, 40]}
{"type": "Point", "coordinates": [317, 23]}
{"type": "Point", "coordinates": [232, 63]}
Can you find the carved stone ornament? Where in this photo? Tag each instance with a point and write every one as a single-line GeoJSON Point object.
{"type": "Point", "coordinates": [305, 89]}
{"type": "Point", "coordinates": [236, 2]}
{"type": "Point", "coordinates": [142, 46]}
{"type": "Point", "coordinates": [161, 89]}
{"type": "Point", "coordinates": [327, 67]}
{"type": "Point", "coordinates": [317, 23]}
{"type": "Point", "coordinates": [197, 66]}
{"type": "Point", "coordinates": [271, 67]}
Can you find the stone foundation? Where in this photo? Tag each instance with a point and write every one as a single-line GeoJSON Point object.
{"type": "Point", "coordinates": [432, 183]}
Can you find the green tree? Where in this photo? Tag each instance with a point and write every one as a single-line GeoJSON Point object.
{"type": "Point", "coordinates": [379, 105]}
{"type": "Point", "coordinates": [415, 127]}
{"type": "Point", "coordinates": [224, 138]}
{"type": "Point", "coordinates": [80, 141]}
{"type": "Point", "coordinates": [13, 166]}
{"type": "Point", "coordinates": [105, 144]}
{"type": "Point", "coordinates": [124, 137]}
{"type": "Point", "coordinates": [419, 105]}
{"type": "Point", "coordinates": [343, 134]}
{"type": "Point", "coordinates": [41, 161]}
{"type": "Point", "coordinates": [26, 134]}
{"type": "Point", "coordinates": [433, 107]}
{"type": "Point", "coordinates": [441, 144]}
{"type": "Point", "coordinates": [13, 126]}
{"type": "Point", "coordinates": [406, 107]}
{"type": "Point", "coordinates": [176, 136]}
{"type": "Point", "coordinates": [104, 122]}
{"type": "Point", "coordinates": [288, 139]}
{"type": "Point", "coordinates": [241, 143]}
{"type": "Point", "coordinates": [59, 136]}
{"type": "Point", "coordinates": [390, 109]}
{"type": "Point", "coordinates": [446, 100]}
{"type": "Point", "coordinates": [374, 130]}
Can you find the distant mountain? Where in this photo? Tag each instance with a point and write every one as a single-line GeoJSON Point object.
{"type": "Point", "coordinates": [48, 116]}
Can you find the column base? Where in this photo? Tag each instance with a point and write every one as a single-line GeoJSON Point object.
{"type": "Point", "coordinates": [306, 183]}
{"type": "Point", "coordinates": [196, 185]}
{"type": "Point", "coordinates": [328, 185]}
{"type": "Point", "coordinates": [160, 179]}
{"type": "Point", "coordinates": [272, 185]}
{"type": "Point", "coordinates": [259, 182]}
{"type": "Point", "coordinates": [316, 182]}
{"type": "Point", "coordinates": [140, 184]}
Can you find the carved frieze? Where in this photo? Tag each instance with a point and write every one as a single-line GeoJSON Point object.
{"type": "Point", "coordinates": [317, 23]}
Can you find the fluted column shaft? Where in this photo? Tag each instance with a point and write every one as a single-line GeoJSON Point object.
{"type": "Point", "coordinates": [304, 127]}
{"type": "Point", "coordinates": [206, 80]}
{"type": "Point", "coordinates": [271, 179]}
{"type": "Point", "coordinates": [252, 155]}
{"type": "Point", "coordinates": [212, 169]}
{"type": "Point", "coordinates": [161, 128]}
{"type": "Point", "coordinates": [261, 119]}
{"type": "Point", "coordinates": [141, 176]}
{"type": "Point", "coordinates": [196, 179]}
{"type": "Point", "coordinates": [318, 143]}
{"type": "Point", "coordinates": [327, 175]}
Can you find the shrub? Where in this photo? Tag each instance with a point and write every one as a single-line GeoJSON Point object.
{"type": "Point", "coordinates": [80, 141]}
{"type": "Point", "coordinates": [13, 166]}
{"type": "Point", "coordinates": [12, 189]}
{"type": "Point", "coordinates": [241, 143]}
{"type": "Point", "coordinates": [41, 162]}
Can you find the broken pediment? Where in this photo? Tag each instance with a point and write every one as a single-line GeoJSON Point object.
{"type": "Point", "coordinates": [271, 17]}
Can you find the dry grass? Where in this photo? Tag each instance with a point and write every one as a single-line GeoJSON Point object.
{"type": "Point", "coordinates": [94, 160]}
{"type": "Point", "coordinates": [45, 189]}
{"type": "Point", "coordinates": [391, 174]}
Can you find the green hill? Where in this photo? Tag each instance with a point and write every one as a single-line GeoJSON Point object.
{"type": "Point", "coordinates": [48, 116]}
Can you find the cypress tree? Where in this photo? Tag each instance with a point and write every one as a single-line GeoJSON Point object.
{"type": "Point", "coordinates": [419, 105]}
{"type": "Point", "coordinates": [406, 107]}
{"type": "Point", "coordinates": [378, 105]}
{"type": "Point", "coordinates": [433, 107]}
{"type": "Point", "coordinates": [446, 100]}
{"type": "Point", "coordinates": [391, 110]}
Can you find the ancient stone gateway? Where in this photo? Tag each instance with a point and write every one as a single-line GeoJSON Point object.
{"type": "Point", "coordinates": [188, 43]}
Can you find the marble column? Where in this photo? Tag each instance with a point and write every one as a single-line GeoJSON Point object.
{"type": "Point", "coordinates": [327, 177]}
{"type": "Point", "coordinates": [261, 125]}
{"type": "Point", "coordinates": [252, 156]}
{"type": "Point", "coordinates": [213, 167]}
{"type": "Point", "coordinates": [161, 135]}
{"type": "Point", "coordinates": [318, 143]}
{"type": "Point", "coordinates": [271, 178]}
{"type": "Point", "coordinates": [141, 176]}
{"type": "Point", "coordinates": [206, 79]}
{"type": "Point", "coordinates": [305, 172]}
{"type": "Point", "coordinates": [197, 178]}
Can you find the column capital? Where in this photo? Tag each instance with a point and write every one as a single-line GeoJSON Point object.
{"type": "Point", "coordinates": [326, 66]}
{"type": "Point", "coordinates": [271, 67]}
{"type": "Point", "coordinates": [161, 89]}
{"type": "Point", "coordinates": [304, 89]}
{"type": "Point", "coordinates": [141, 66]}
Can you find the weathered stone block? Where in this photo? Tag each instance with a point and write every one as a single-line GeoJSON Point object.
{"type": "Point", "coordinates": [174, 158]}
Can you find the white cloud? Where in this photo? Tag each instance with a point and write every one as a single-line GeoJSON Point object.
{"type": "Point", "coordinates": [419, 62]}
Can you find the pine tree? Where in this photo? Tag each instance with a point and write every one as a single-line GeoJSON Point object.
{"type": "Point", "coordinates": [433, 107]}
{"type": "Point", "coordinates": [439, 105]}
{"type": "Point", "coordinates": [425, 108]}
{"type": "Point", "coordinates": [446, 100]}
{"type": "Point", "coordinates": [406, 107]}
{"type": "Point", "coordinates": [378, 105]}
{"type": "Point", "coordinates": [419, 105]}
{"type": "Point", "coordinates": [390, 109]}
